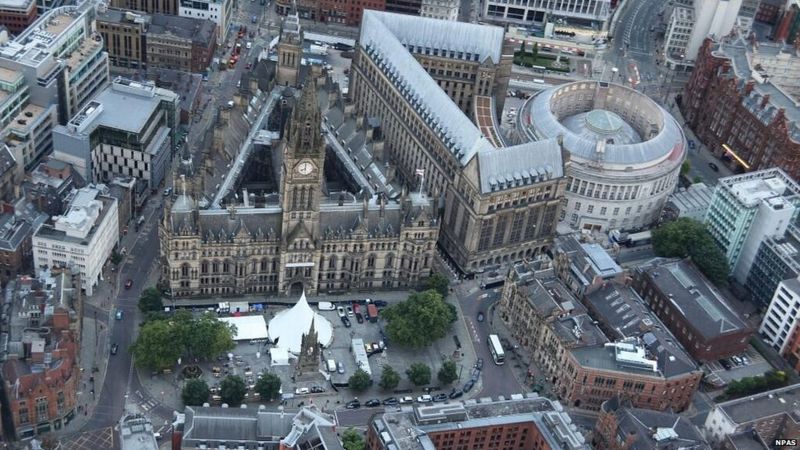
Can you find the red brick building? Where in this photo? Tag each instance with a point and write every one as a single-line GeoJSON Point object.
{"type": "Point", "coordinates": [769, 11]}
{"type": "Point", "coordinates": [696, 313]}
{"type": "Point", "coordinates": [758, 121]}
{"type": "Point", "coordinates": [17, 15]}
{"type": "Point", "coordinates": [347, 12]}
{"type": "Point", "coordinates": [42, 373]}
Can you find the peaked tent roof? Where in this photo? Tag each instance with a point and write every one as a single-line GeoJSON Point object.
{"type": "Point", "coordinates": [290, 325]}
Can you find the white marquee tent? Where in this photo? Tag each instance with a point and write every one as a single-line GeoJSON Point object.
{"type": "Point", "coordinates": [247, 327]}
{"type": "Point", "coordinates": [288, 326]}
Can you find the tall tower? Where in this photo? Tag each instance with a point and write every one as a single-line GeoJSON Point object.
{"type": "Point", "coordinates": [301, 188]}
{"type": "Point", "coordinates": [309, 359]}
{"type": "Point", "coordinates": [290, 51]}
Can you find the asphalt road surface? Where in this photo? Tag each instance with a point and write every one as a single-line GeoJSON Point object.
{"type": "Point", "coordinates": [110, 406]}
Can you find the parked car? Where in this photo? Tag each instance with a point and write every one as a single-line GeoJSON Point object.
{"type": "Point", "coordinates": [745, 360]}
{"type": "Point", "coordinates": [349, 311]}
{"type": "Point", "coordinates": [380, 303]}
{"type": "Point", "coordinates": [479, 364]}
{"type": "Point", "coordinates": [736, 360]}
{"type": "Point", "coordinates": [476, 373]}
{"type": "Point", "coordinates": [468, 386]}
{"type": "Point", "coordinates": [346, 322]}
{"type": "Point", "coordinates": [340, 367]}
{"type": "Point", "coordinates": [340, 310]}
{"type": "Point", "coordinates": [724, 363]}
{"type": "Point", "coordinates": [353, 404]}
{"type": "Point", "coordinates": [406, 400]}
{"type": "Point", "coordinates": [391, 401]}
{"type": "Point", "coordinates": [713, 167]}
{"type": "Point", "coordinates": [317, 389]}
{"type": "Point", "coordinates": [302, 391]}
{"type": "Point", "coordinates": [440, 397]}
{"type": "Point", "coordinates": [480, 316]}
{"type": "Point", "coordinates": [455, 393]}
{"type": "Point", "coordinates": [372, 403]}
{"type": "Point", "coordinates": [114, 349]}
{"type": "Point", "coordinates": [424, 399]}
{"type": "Point", "coordinates": [128, 283]}
{"type": "Point", "coordinates": [325, 306]}
{"type": "Point", "coordinates": [691, 144]}
{"type": "Point", "coordinates": [118, 314]}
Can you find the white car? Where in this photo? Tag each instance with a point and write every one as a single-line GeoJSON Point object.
{"type": "Point", "coordinates": [326, 306]}
{"type": "Point", "coordinates": [424, 399]}
{"type": "Point", "coordinates": [341, 312]}
{"type": "Point", "coordinates": [249, 45]}
{"type": "Point", "coordinates": [301, 391]}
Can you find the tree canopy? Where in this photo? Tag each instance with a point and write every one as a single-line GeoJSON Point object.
{"type": "Point", "coordinates": [689, 238]}
{"type": "Point", "coordinates": [164, 339]}
{"type": "Point", "coordinates": [352, 440]}
{"type": "Point", "coordinates": [419, 374]}
{"type": "Point", "coordinates": [232, 390]}
{"type": "Point", "coordinates": [359, 381]}
{"type": "Point", "coordinates": [389, 378]}
{"type": "Point", "coordinates": [150, 300]}
{"type": "Point", "coordinates": [420, 320]}
{"type": "Point", "coordinates": [447, 374]}
{"type": "Point", "coordinates": [268, 386]}
{"type": "Point", "coordinates": [754, 385]}
{"type": "Point", "coordinates": [438, 283]}
{"type": "Point", "coordinates": [195, 392]}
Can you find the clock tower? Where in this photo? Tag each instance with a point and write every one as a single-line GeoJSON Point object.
{"type": "Point", "coordinates": [301, 189]}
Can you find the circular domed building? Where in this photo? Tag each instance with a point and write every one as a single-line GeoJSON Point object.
{"type": "Point", "coordinates": [625, 152]}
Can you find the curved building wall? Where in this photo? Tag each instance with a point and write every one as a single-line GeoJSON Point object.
{"type": "Point", "coordinates": [626, 152]}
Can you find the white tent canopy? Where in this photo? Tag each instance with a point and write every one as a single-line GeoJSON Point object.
{"type": "Point", "coordinates": [290, 325]}
{"type": "Point", "coordinates": [247, 327]}
{"type": "Point", "coordinates": [278, 356]}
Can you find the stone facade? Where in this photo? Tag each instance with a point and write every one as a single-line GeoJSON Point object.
{"type": "Point", "coordinates": [302, 238]}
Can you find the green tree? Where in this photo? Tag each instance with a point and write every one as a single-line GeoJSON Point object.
{"type": "Point", "coordinates": [195, 392]}
{"type": "Point", "coordinates": [689, 238]}
{"type": "Point", "coordinates": [522, 47]}
{"type": "Point", "coordinates": [697, 179]}
{"type": "Point", "coordinates": [389, 378]}
{"type": "Point", "coordinates": [359, 381]}
{"type": "Point", "coordinates": [419, 374]}
{"type": "Point", "coordinates": [438, 283]}
{"type": "Point", "coordinates": [754, 385]}
{"type": "Point", "coordinates": [352, 440]}
{"type": "Point", "coordinates": [447, 374]}
{"type": "Point", "coordinates": [150, 300]}
{"type": "Point", "coordinates": [155, 347]}
{"type": "Point", "coordinates": [420, 320]}
{"type": "Point", "coordinates": [685, 168]}
{"type": "Point", "coordinates": [535, 50]}
{"type": "Point", "coordinates": [232, 390]}
{"type": "Point", "coordinates": [208, 336]}
{"type": "Point", "coordinates": [268, 386]}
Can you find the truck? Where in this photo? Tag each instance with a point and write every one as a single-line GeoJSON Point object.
{"type": "Point", "coordinates": [331, 365]}
{"type": "Point", "coordinates": [372, 313]}
{"type": "Point", "coordinates": [642, 238]}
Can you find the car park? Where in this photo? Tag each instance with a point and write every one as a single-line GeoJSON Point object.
{"type": "Point", "coordinates": [353, 404]}
{"type": "Point", "coordinates": [440, 397]}
{"type": "Point", "coordinates": [425, 398]}
{"type": "Point", "coordinates": [391, 401]}
{"type": "Point", "coordinates": [372, 403]}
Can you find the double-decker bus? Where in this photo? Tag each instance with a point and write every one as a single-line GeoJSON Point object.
{"type": "Point", "coordinates": [496, 349]}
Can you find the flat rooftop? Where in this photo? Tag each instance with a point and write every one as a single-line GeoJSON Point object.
{"type": "Point", "coordinates": [767, 404]}
{"type": "Point", "coordinates": [698, 301]}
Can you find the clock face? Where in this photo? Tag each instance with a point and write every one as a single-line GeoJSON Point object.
{"type": "Point", "coordinates": [305, 168]}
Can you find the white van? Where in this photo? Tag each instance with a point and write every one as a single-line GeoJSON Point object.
{"type": "Point", "coordinates": [325, 306]}
{"type": "Point", "coordinates": [331, 365]}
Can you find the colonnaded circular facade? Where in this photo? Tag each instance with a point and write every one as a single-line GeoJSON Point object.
{"type": "Point", "coordinates": [625, 152]}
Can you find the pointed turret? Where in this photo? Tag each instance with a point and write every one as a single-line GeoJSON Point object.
{"type": "Point", "coordinates": [303, 132]}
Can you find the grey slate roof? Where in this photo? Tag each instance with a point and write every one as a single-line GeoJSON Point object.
{"type": "Point", "coordinates": [691, 294]}
{"type": "Point", "coordinates": [13, 232]}
{"type": "Point", "coordinates": [519, 165]}
{"type": "Point", "coordinates": [759, 406]}
{"type": "Point", "coordinates": [645, 423]}
{"type": "Point", "coordinates": [7, 161]}
{"type": "Point", "coordinates": [548, 125]}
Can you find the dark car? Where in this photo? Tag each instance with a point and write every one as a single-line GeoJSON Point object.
{"type": "Point", "coordinates": [480, 316]}
{"type": "Point", "coordinates": [691, 144]}
{"type": "Point", "coordinates": [380, 303]}
{"type": "Point", "coordinates": [725, 364]}
{"type": "Point", "coordinates": [476, 373]}
{"type": "Point", "coordinates": [128, 283]}
{"type": "Point", "coordinates": [455, 393]}
{"type": "Point", "coordinates": [440, 397]}
{"type": "Point", "coordinates": [317, 389]}
{"type": "Point", "coordinates": [713, 167]}
{"type": "Point", "coordinates": [468, 386]}
{"type": "Point", "coordinates": [391, 401]}
{"type": "Point", "coordinates": [114, 349]}
{"type": "Point", "coordinates": [346, 322]}
{"type": "Point", "coordinates": [353, 404]}
{"type": "Point", "coordinates": [479, 364]}
{"type": "Point", "coordinates": [359, 318]}
{"type": "Point", "coordinates": [372, 403]}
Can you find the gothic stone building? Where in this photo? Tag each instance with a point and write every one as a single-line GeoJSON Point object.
{"type": "Point", "coordinates": [305, 238]}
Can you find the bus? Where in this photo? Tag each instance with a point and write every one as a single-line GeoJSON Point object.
{"type": "Point", "coordinates": [641, 238]}
{"type": "Point", "coordinates": [496, 349]}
